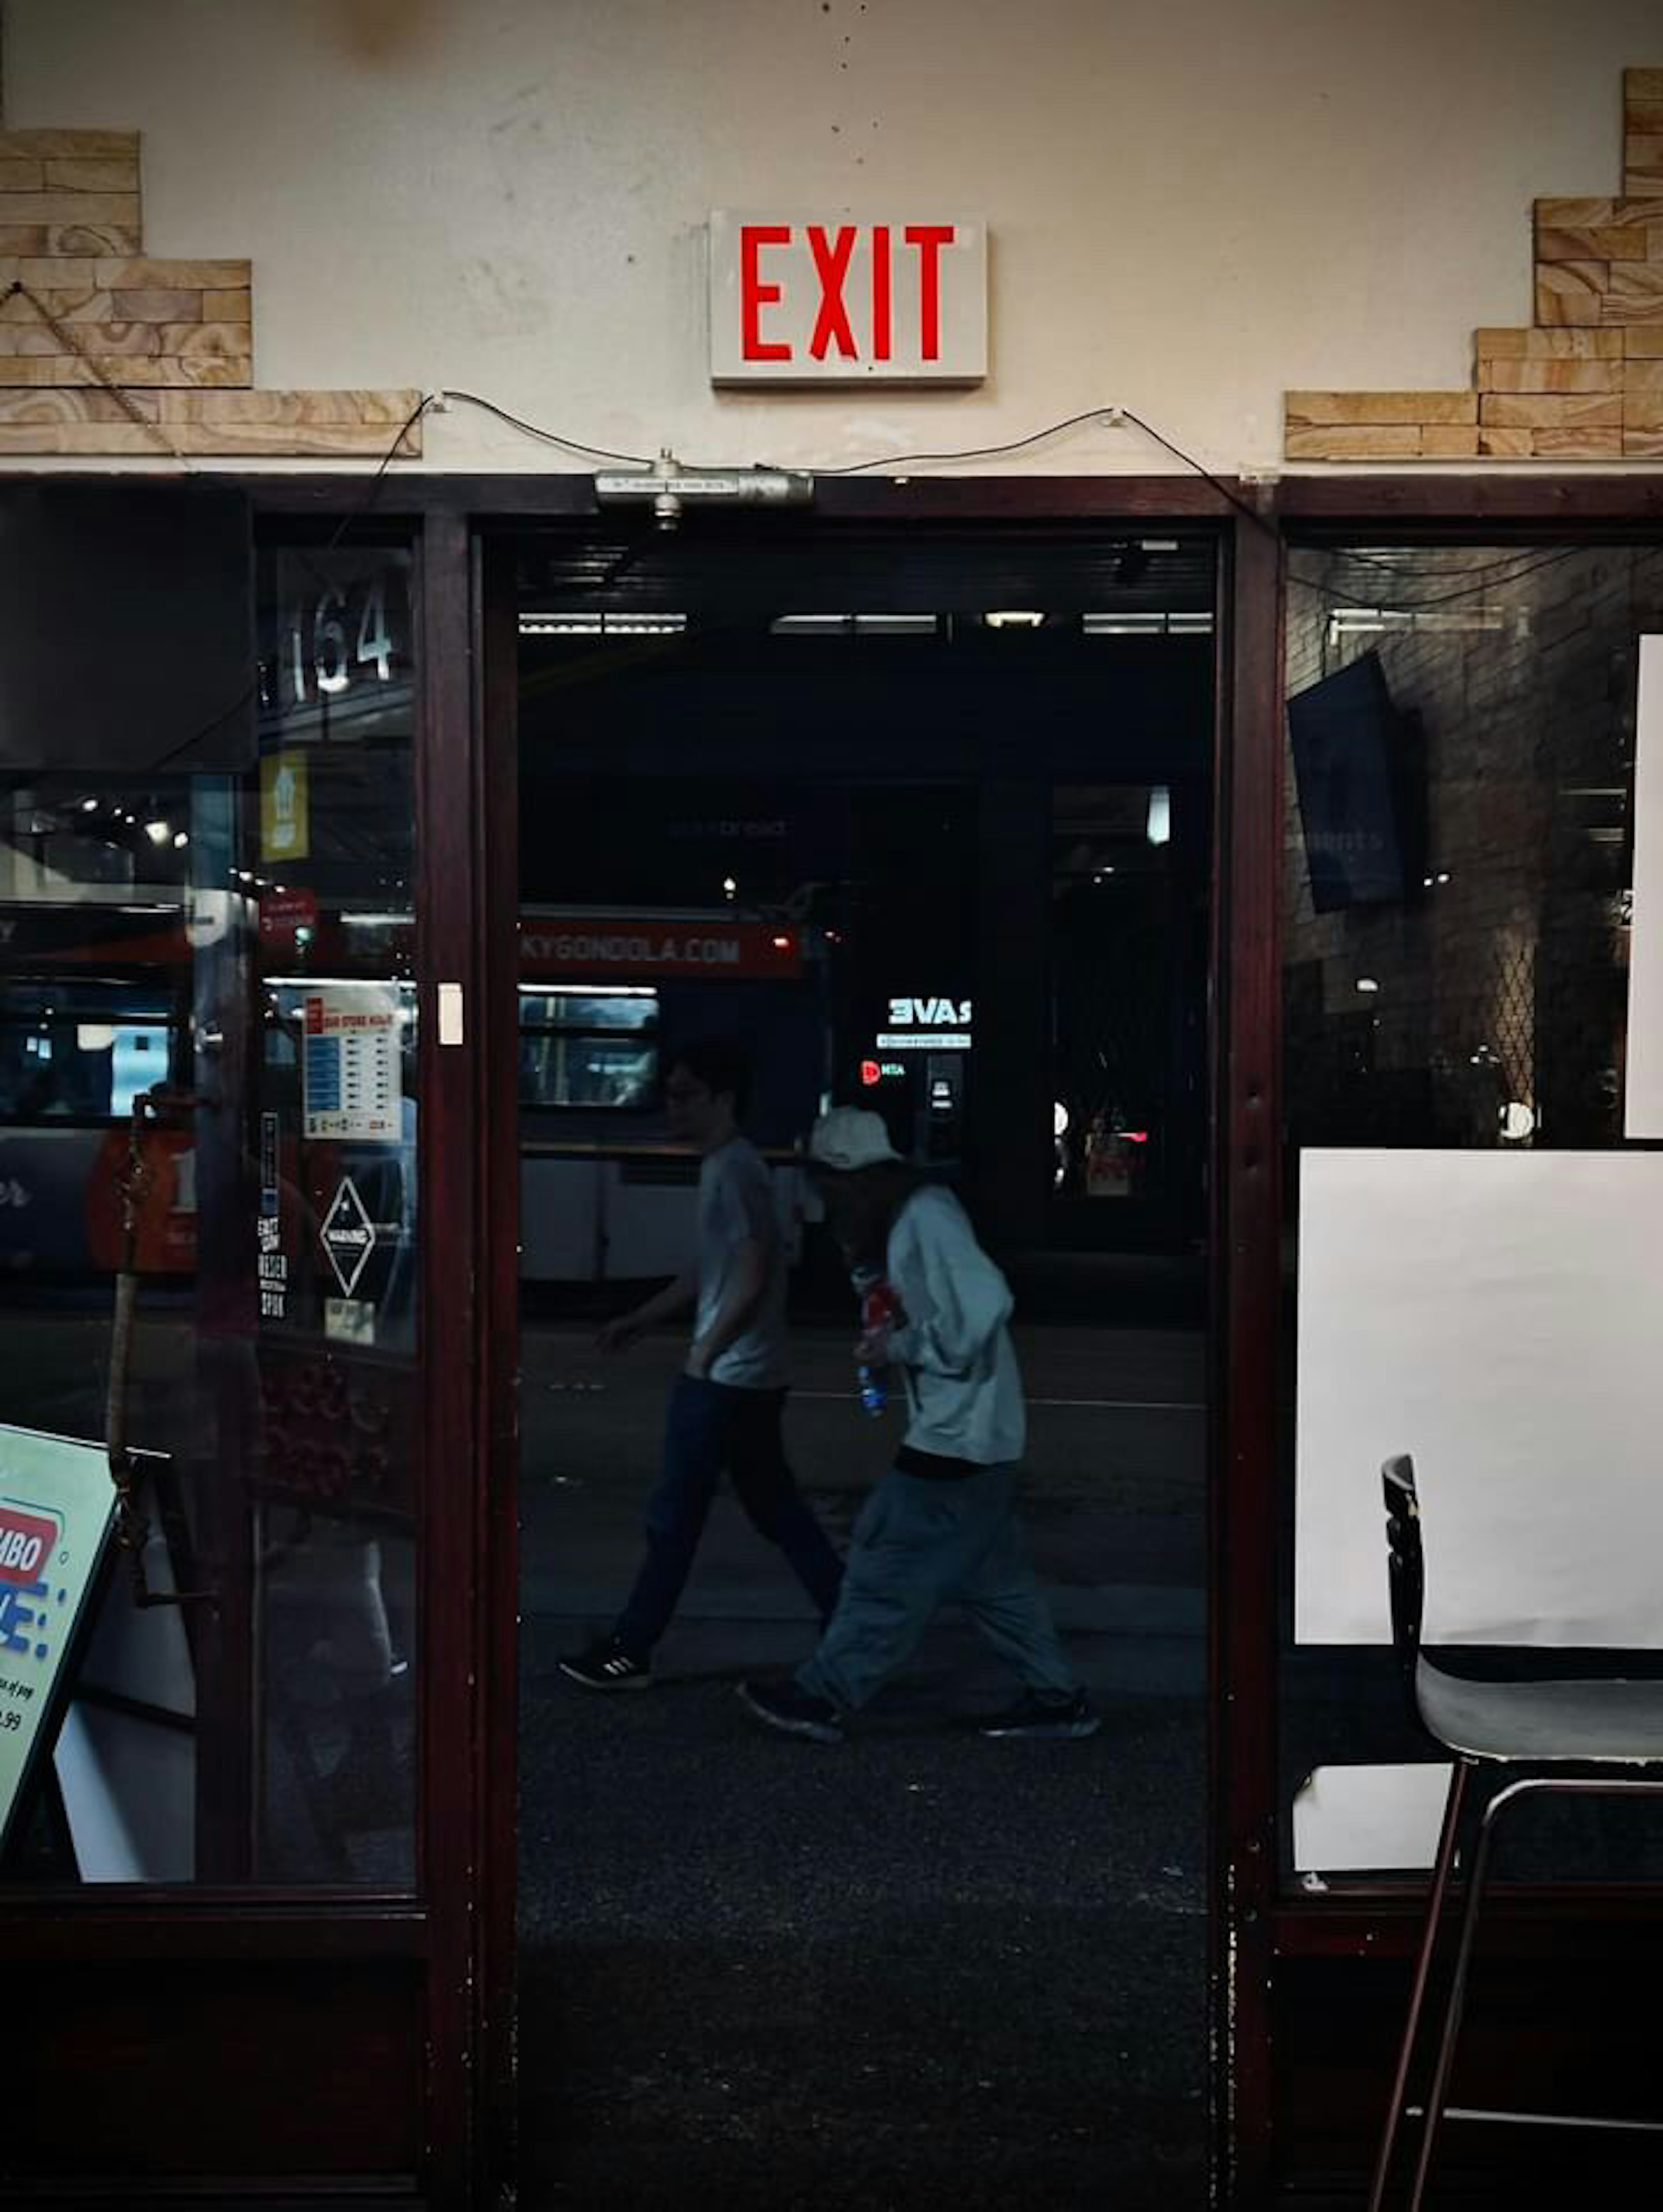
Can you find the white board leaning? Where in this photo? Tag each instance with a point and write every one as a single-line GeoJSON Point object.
{"type": "Point", "coordinates": [1642, 1089]}
{"type": "Point", "coordinates": [1499, 1316]}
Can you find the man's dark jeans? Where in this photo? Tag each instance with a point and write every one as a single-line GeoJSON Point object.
{"type": "Point", "coordinates": [712, 1427]}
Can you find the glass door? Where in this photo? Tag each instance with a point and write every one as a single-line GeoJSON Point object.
{"type": "Point", "coordinates": [208, 1247]}
{"type": "Point", "coordinates": [917, 829]}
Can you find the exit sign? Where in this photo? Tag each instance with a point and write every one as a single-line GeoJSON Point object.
{"type": "Point", "coordinates": [799, 299]}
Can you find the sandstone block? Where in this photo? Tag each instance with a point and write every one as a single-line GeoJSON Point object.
{"type": "Point", "coordinates": [175, 369]}
{"type": "Point", "coordinates": [1544, 411]}
{"type": "Point", "coordinates": [383, 411]}
{"type": "Point", "coordinates": [1338, 441]}
{"type": "Point", "coordinates": [84, 176]}
{"type": "Point", "coordinates": [59, 272]}
{"type": "Point", "coordinates": [1635, 294]}
{"type": "Point", "coordinates": [1566, 345]}
{"type": "Point", "coordinates": [1611, 242]}
{"type": "Point", "coordinates": [156, 306]}
{"type": "Point", "coordinates": [90, 238]}
{"type": "Point", "coordinates": [68, 145]}
{"type": "Point", "coordinates": [1579, 445]}
{"type": "Point", "coordinates": [1536, 372]}
{"type": "Point", "coordinates": [147, 273]}
{"type": "Point", "coordinates": [1643, 163]}
{"type": "Point", "coordinates": [72, 207]}
{"type": "Point", "coordinates": [1307, 408]}
{"type": "Point", "coordinates": [1571, 291]}
{"type": "Point", "coordinates": [93, 406]}
{"type": "Point", "coordinates": [1449, 442]}
{"type": "Point", "coordinates": [225, 341]}
{"type": "Point", "coordinates": [81, 439]}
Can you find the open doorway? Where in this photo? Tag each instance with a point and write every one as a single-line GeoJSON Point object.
{"type": "Point", "coordinates": [922, 823]}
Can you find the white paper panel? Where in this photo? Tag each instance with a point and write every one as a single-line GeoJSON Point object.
{"type": "Point", "coordinates": [129, 1789]}
{"type": "Point", "coordinates": [1642, 1102]}
{"type": "Point", "coordinates": [1499, 1316]}
{"type": "Point", "coordinates": [1352, 1820]}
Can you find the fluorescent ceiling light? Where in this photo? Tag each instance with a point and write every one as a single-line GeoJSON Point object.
{"type": "Point", "coordinates": [854, 625]}
{"type": "Point", "coordinates": [1156, 623]}
{"type": "Point", "coordinates": [600, 625]}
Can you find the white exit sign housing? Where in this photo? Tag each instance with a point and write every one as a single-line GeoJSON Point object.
{"type": "Point", "coordinates": [808, 298]}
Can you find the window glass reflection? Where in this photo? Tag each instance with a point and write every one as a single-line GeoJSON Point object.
{"type": "Point", "coordinates": [1456, 926]}
{"type": "Point", "coordinates": [209, 1095]}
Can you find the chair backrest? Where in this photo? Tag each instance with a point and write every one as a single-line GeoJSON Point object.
{"type": "Point", "coordinates": [1407, 1568]}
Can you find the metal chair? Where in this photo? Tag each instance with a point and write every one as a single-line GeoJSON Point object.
{"type": "Point", "coordinates": [1503, 1725]}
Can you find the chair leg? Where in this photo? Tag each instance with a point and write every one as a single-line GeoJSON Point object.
{"type": "Point", "coordinates": [1441, 1870]}
{"type": "Point", "coordinates": [1437, 2095]}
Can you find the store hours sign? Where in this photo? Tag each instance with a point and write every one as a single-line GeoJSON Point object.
{"type": "Point", "coordinates": [825, 298]}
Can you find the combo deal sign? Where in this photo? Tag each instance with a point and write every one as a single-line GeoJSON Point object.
{"type": "Point", "coordinates": [825, 300]}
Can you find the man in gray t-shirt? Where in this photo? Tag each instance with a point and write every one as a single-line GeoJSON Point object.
{"type": "Point", "coordinates": [736, 1227]}
{"type": "Point", "coordinates": [725, 1407]}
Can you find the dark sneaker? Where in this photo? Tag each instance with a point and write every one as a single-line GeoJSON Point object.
{"type": "Point", "coordinates": [784, 1706]}
{"type": "Point", "coordinates": [1044, 1713]}
{"type": "Point", "coordinates": [607, 1666]}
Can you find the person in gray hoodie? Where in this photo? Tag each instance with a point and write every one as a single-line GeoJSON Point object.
{"type": "Point", "coordinates": [940, 1526]}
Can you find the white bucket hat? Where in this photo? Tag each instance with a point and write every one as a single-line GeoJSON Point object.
{"type": "Point", "coordinates": [850, 1137]}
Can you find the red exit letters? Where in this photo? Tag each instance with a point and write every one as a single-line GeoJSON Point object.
{"type": "Point", "coordinates": [831, 257]}
{"type": "Point", "coordinates": [794, 298]}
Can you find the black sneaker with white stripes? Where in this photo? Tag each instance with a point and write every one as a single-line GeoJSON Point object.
{"type": "Point", "coordinates": [607, 1666]}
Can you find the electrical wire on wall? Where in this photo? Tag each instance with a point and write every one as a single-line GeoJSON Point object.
{"type": "Point", "coordinates": [1493, 576]}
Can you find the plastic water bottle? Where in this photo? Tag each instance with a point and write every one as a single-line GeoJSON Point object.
{"type": "Point", "coordinates": [879, 1307]}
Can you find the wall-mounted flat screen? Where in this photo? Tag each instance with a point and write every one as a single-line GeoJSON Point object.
{"type": "Point", "coordinates": [1352, 764]}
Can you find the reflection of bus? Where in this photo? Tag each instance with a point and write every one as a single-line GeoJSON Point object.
{"type": "Point", "coordinates": [605, 1000]}
{"type": "Point", "coordinates": [96, 1004]}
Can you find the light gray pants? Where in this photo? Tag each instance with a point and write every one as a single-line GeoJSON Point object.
{"type": "Point", "coordinates": [921, 1543]}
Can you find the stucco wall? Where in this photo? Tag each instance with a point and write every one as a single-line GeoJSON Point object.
{"type": "Point", "coordinates": [1193, 207]}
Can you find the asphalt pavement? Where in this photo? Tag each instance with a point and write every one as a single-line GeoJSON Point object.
{"type": "Point", "coordinates": [917, 1968]}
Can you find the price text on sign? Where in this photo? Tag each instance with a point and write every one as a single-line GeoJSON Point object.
{"type": "Point", "coordinates": [822, 300]}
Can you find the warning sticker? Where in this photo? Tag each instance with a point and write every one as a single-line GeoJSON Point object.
{"type": "Point", "coordinates": [348, 1235]}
